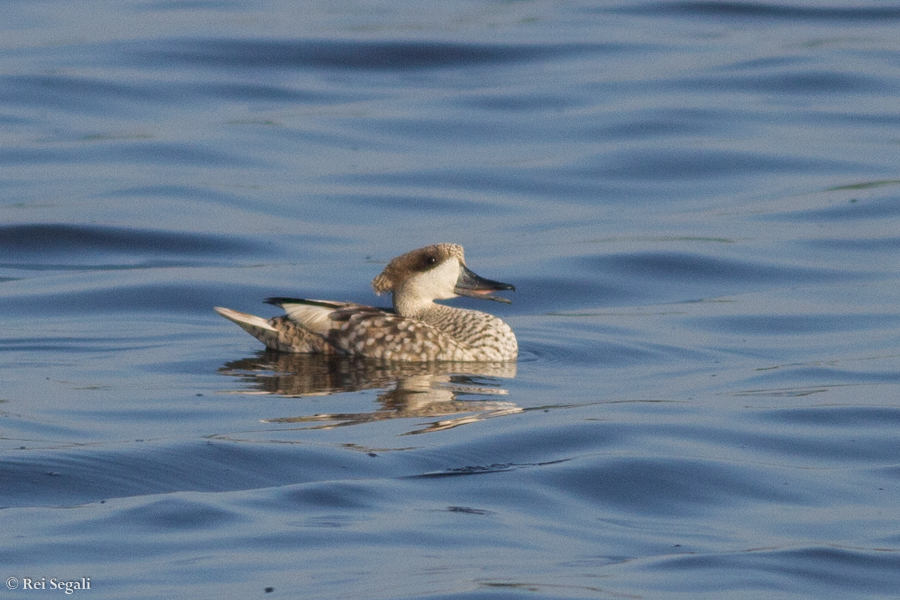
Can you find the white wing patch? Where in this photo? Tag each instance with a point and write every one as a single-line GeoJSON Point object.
{"type": "Point", "coordinates": [313, 317]}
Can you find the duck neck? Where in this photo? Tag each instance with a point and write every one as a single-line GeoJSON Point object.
{"type": "Point", "coordinates": [416, 308]}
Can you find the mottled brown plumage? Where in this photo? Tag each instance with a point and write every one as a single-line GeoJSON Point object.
{"type": "Point", "coordinates": [416, 330]}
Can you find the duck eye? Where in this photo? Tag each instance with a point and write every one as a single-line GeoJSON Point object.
{"type": "Point", "coordinates": [430, 260]}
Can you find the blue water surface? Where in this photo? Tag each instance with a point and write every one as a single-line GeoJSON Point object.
{"type": "Point", "coordinates": [698, 203]}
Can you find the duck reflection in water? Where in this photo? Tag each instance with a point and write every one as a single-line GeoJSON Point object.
{"type": "Point", "coordinates": [411, 390]}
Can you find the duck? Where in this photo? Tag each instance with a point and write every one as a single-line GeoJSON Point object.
{"type": "Point", "coordinates": [416, 329]}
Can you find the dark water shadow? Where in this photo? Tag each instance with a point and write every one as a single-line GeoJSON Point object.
{"type": "Point", "coordinates": [36, 244]}
{"type": "Point", "coordinates": [344, 55]}
{"type": "Point", "coordinates": [453, 392]}
{"type": "Point", "coordinates": [760, 11]}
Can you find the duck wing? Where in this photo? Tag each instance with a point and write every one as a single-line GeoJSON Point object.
{"type": "Point", "coordinates": [360, 330]}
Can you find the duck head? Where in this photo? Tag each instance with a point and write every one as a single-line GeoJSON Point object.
{"type": "Point", "coordinates": [436, 272]}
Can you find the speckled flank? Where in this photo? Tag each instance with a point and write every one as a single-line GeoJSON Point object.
{"type": "Point", "coordinates": [417, 331]}
{"type": "Point", "coordinates": [292, 337]}
{"type": "Point", "coordinates": [394, 337]}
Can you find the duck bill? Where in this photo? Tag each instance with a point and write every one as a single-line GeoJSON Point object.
{"type": "Point", "coordinates": [471, 285]}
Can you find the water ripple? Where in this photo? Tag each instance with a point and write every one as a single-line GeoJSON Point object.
{"type": "Point", "coordinates": [768, 11]}
{"type": "Point", "coordinates": [704, 269]}
{"type": "Point", "coordinates": [352, 55]}
{"type": "Point", "coordinates": [61, 238]}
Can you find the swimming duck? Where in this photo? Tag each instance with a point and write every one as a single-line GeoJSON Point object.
{"type": "Point", "coordinates": [416, 329]}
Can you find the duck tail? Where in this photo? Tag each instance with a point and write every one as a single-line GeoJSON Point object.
{"type": "Point", "coordinates": [255, 326]}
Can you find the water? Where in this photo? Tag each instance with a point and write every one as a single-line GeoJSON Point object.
{"type": "Point", "coordinates": [698, 202]}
